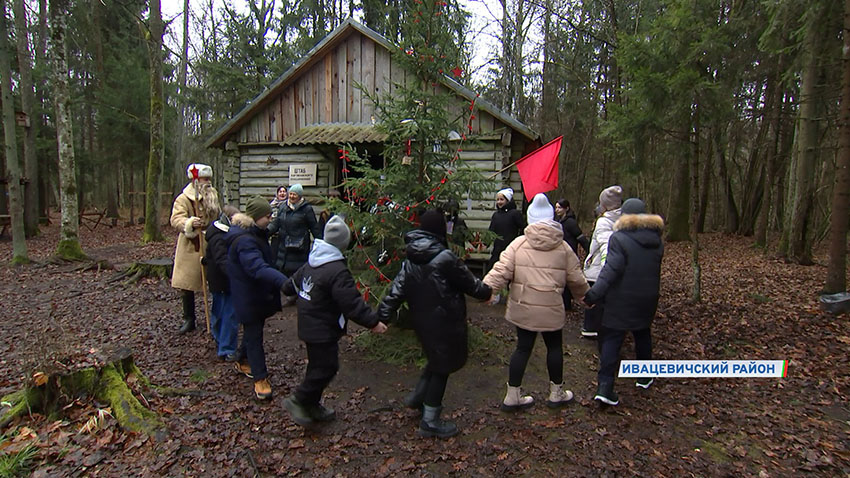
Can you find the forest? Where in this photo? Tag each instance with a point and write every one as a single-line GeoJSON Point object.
{"type": "Point", "coordinates": [723, 115]}
{"type": "Point", "coordinates": [730, 118]}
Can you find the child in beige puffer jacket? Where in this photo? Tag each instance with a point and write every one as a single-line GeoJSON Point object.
{"type": "Point", "coordinates": [539, 265]}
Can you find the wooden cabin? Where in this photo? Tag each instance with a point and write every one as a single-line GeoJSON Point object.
{"type": "Point", "coordinates": [291, 131]}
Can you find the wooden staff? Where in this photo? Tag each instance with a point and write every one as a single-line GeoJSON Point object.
{"type": "Point", "coordinates": [204, 282]}
{"type": "Point", "coordinates": [197, 204]}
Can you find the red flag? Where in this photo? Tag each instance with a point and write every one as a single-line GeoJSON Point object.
{"type": "Point", "coordinates": [539, 170]}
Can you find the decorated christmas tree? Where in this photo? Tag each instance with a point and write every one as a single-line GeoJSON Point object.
{"type": "Point", "coordinates": [421, 166]}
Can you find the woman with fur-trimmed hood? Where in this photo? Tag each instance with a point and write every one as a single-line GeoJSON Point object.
{"type": "Point", "coordinates": [628, 286]}
{"type": "Point", "coordinates": [193, 211]}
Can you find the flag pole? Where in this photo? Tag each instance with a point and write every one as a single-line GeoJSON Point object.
{"type": "Point", "coordinates": [492, 176]}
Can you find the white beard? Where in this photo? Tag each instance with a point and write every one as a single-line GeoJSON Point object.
{"type": "Point", "coordinates": [209, 201]}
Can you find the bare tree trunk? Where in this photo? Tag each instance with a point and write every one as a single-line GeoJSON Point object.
{"type": "Point", "coordinates": [111, 180]}
{"type": "Point", "coordinates": [13, 167]}
{"type": "Point", "coordinates": [696, 291]}
{"type": "Point", "coordinates": [798, 247]}
{"type": "Point", "coordinates": [155, 161]}
{"type": "Point", "coordinates": [180, 159]}
{"type": "Point", "coordinates": [704, 187]}
{"type": "Point", "coordinates": [69, 232]}
{"type": "Point", "coordinates": [30, 177]}
{"type": "Point", "coordinates": [680, 193]}
{"type": "Point", "coordinates": [774, 115]}
{"type": "Point", "coordinates": [41, 90]}
{"type": "Point", "coordinates": [836, 272]}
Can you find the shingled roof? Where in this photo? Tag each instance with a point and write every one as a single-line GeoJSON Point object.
{"type": "Point", "coordinates": [317, 134]}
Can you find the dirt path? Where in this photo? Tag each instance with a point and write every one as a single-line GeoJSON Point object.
{"type": "Point", "coordinates": [752, 309]}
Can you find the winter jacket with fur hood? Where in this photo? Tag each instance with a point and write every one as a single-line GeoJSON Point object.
{"type": "Point", "coordinates": [433, 281]}
{"type": "Point", "coordinates": [539, 265]}
{"type": "Point", "coordinates": [254, 283]}
{"type": "Point", "coordinates": [187, 256]}
{"type": "Point", "coordinates": [598, 252]}
{"type": "Point", "coordinates": [629, 283]}
{"type": "Point", "coordinates": [327, 296]}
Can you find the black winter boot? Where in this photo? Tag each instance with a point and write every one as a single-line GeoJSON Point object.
{"type": "Point", "coordinates": [605, 394]}
{"type": "Point", "coordinates": [416, 397]}
{"type": "Point", "coordinates": [321, 413]}
{"type": "Point", "coordinates": [299, 412]}
{"type": "Point", "coordinates": [188, 312]}
{"type": "Point", "coordinates": [431, 425]}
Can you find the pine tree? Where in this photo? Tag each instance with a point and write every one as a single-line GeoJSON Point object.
{"type": "Point", "coordinates": [421, 168]}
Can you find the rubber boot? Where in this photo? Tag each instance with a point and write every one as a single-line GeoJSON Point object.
{"type": "Point", "coordinates": [188, 312]}
{"type": "Point", "coordinates": [416, 398]}
{"type": "Point", "coordinates": [321, 413]}
{"type": "Point", "coordinates": [557, 395]}
{"type": "Point", "coordinates": [299, 412]}
{"type": "Point", "coordinates": [432, 426]}
{"type": "Point", "coordinates": [515, 400]}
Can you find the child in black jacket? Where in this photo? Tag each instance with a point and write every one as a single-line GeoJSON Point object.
{"type": "Point", "coordinates": [225, 328]}
{"type": "Point", "coordinates": [327, 298]}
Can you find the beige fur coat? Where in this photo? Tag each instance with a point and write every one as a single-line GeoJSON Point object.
{"type": "Point", "coordinates": [187, 256]}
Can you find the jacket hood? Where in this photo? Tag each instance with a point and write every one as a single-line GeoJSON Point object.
{"type": "Point", "coordinates": [221, 226]}
{"type": "Point", "coordinates": [242, 220]}
{"type": "Point", "coordinates": [544, 235]}
{"type": "Point", "coordinates": [422, 246]}
{"type": "Point", "coordinates": [645, 229]}
{"type": "Point", "coordinates": [613, 214]}
{"type": "Point", "coordinates": [322, 253]}
{"type": "Point", "coordinates": [242, 224]}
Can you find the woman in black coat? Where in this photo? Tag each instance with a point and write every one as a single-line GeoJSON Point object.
{"type": "Point", "coordinates": [629, 286]}
{"type": "Point", "coordinates": [294, 224]}
{"type": "Point", "coordinates": [507, 222]}
{"type": "Point", "coordinates": [433, 281]}
{"type": "Point", "coordinates": [572, 232]}
{"type": "Point", "coordinates": [572, 235]}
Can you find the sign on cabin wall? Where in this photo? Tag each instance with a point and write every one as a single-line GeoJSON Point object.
{"type": "Point", "coordinates": [303, 174]}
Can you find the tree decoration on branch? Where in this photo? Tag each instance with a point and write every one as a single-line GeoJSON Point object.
{"type": "Point", "coordinates": [420, 167]}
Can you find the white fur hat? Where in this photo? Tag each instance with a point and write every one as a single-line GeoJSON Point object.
{"type": "Point", "coordinates": [540, 209]}
{"type": "Point", "coordinates": [507, 192]}
{"type": "Point", "coordinates": [204, 170]}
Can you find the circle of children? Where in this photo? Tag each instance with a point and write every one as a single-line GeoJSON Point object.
{"type": "Point", "coordinates": [534, 256]}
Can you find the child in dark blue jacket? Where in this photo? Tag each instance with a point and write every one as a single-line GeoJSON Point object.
{"type": "Point", "coordinates": [628, 286]}
{"type": "Point", "coordinates": [327, 298]}
{"type": "Point", "coordinates": [255, 287]}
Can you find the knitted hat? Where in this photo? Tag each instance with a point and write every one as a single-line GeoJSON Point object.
{"type": "Point", "coordinates": [611, 198]}
{"type": "Point", "coordinates": [633, 206]}
{"type": "Point", "coordinates": [297, 189]}
{"type": "Point", "coordinates": [257, 207]}
{"type": "Point", "coordinates": [507, 192]}
{"type": "Point", "coordinates": [337, 233]}
{"type": "Point", "coordinates": [433, 222]}
{"type": "Point", "coordinates": [540, 209]}
{"type": "Point", "coordinates": [204, 170]}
